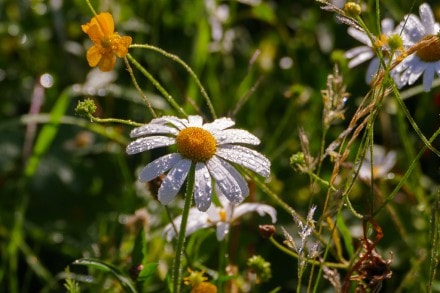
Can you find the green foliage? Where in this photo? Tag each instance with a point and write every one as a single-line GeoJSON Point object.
{"type": "Point", "coordinates": [69, 192]}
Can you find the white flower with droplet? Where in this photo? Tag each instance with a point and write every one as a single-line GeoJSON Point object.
{"type": "Point", "coordinates": [220, 217]}
{"type": "Point", "coordinates": [362, 54]}
{"type": "Point", "coordinates": [382, 163]}
{"type": "Point", "coordinates": [211, 147]}
{"type": "Point", "coordinates": [426, 59]}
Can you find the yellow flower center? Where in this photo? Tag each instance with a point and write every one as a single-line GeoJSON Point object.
{"type": "Point", "coordinates": [106, 43]}
{"type": "Point", "coordinates": [431, 51]}
{"type": "Point", "coordinates": [196, 144]}
{"type": "Point", "coordinates": [222, 215]}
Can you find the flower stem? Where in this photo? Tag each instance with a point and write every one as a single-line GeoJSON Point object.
{"type": "Point", "coordinates": [187, 68]}
{"type": "Point", "coordinates": [221, 263]}
{"type": "Point", "coordinates": [114, 120]}
{"type": "Point", "coordinates": [138, 88]}
{"type": "Point", "coordinates": [159, 87]}
{"type": "Point", "coordinates": [91, 7]}
{"type": "Point", "coordinates": [182, 232]}
{"type": "Point", "coordinates": [308, 260]}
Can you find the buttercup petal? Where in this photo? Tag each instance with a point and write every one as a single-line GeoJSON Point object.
{"type": "Point", "coordinates": [106, 23]}
{"type": "Point", "coordinates": [107, 62]}
{"type": "Point", "coordinates": [93, 55]}
{"type": "Point", "coordinates": [94, 32]}
{"type": "Point", "coordinates": [121, 46]}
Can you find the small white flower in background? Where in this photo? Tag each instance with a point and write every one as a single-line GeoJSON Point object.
{"type": "Point", "coordinates": [210, 147]}
{"type": "Point", "coordinates": [425, 60]}
{"type": "Point", "coordinates": [382, 163]}
{"type": "Point", "coordinates": [220, 217]}
{"type": "Point", "coordinates": [362, 54]}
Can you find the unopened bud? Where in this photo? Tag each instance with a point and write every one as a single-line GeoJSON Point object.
{"type": "Point", "coordinates": [266, 231]}
{"type": "Point", "coordinates": [352, 9]}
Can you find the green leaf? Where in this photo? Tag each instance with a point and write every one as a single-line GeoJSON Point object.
{"type": "Point", "coordinates": [346, 235]}
{"type": "Point", "coordinates": [147, 271]}
{"type": "Point", "coordinates": [48, 132]}
{"type": "Point", "coordinates": [102, 266]}
{"type": "Point", "coordinates": [140, 248]}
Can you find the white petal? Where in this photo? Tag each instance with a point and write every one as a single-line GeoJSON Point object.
{"type": "Point", "coordinates": [219, 124]}
{"type": "Point", "coordinates": [238, 178]}
{"type": "Point", "coordinates": [235, 136]}
{"type": "Point", "coordinates": [149, 143]}
{"type": "Point", "coordinates": [173, 182]}
{"type": "Point", "coordinates": [428, 77]}
{"type": "Point", "coordinates": [225, 181]}
{"type": "Point", "coordinates": [413, 29]}
{"type": "Point", "coordinates": [245, 157]}
{"type": "Point", "coordinates": [356, 51]}
{"type": "Point", "coordinates": [202, 187]}
{"type": "Point", "coordinates": [196, 221]}
{"type": "Point", "coordinates": [359, 35]}
{"type": "Point", "coordinates": [427, 18]}
{"type": "Point", "coordinates": [177, 122]}
{"type": "Point", "coordinates": [261, 209]}
{"type": "Point", "coordinates": [361, 58]}
{"type": "Point", "coordinates": [213, 213]}
{"type": "Point", "coordinates": [149, 129]}
{"type": "Point", "coordinates": [195, 120]}
{"type": "Point", "coordinates": [388, 162]}
{"type": "Point", "coordinates": [416, 70]}
{"type": "Point", "coordinates": [159, 166]}
{"type": "Point", "coordinates": [222, 230]}
{"type": "Point", "coordinates": [387, 26]}
{"type": "Point", "coordinates": [372, 70]}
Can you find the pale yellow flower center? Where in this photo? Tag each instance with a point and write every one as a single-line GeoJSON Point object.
{"type": "Point", "coordinates": [222, 215]}
{"type": "Point", "coordinates": [431, 51]}
{"type": "Point", "coordinates": [196, 144]}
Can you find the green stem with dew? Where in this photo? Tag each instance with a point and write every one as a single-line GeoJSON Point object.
{"type": "Point", "coordinates": [186, 67]}
{"type": "Point", "coordinates": [182, 233]}
{"type": "Point", "coordinates": [158, 86]}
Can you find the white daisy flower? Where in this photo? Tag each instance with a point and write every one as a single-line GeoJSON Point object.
{"type": "Point", "coordinates": [210, 147]}
{"type": "Point", "coordinates": [426, 59]}
{"type": "Point", "coordinates": [382, 163]}
{"type": "Point", "coordinates": [220, 217]}
{"type": "Point", "coordinates": [361, 54]}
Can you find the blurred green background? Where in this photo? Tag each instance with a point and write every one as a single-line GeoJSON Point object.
{"type": "Point", "coordinates": [71, 192]}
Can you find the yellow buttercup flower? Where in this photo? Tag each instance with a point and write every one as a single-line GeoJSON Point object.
{"type": "Point", "coordinates": [107, 44]}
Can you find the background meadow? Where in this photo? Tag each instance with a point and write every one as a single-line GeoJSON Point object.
{"type": "Point", "coordinates": [68, 190]}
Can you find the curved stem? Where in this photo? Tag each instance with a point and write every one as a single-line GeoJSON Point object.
{"type": "Point", "coordinates": [309, 261]}
{"type": "Point", "coordinates": [138, 88]}
{"type": "Point", "coordinates": [182, 233]}
{"type": "Point", "coordinates": [114, 120]}
{"type": "Point", "coordinates": [91, 7]}
{"type": "Point", "coordinates": [187, 68]}
{"type": "Point", "coordinates": [407, 173]}
{"type": "Point", "coordinates": [158, 86]}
